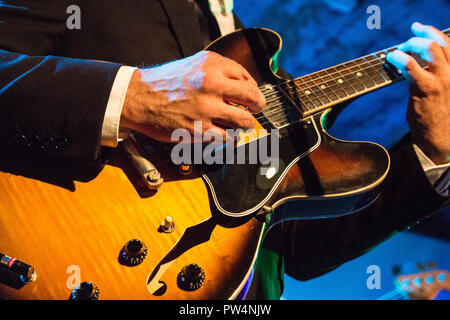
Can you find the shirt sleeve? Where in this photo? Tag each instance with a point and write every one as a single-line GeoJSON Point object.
{"type": "Point", "coordinates": [438, 175]}
{"type": "Point", "coordinates": [111, 131]}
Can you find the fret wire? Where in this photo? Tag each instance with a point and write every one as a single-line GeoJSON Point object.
{"type": "Point", "coordinates": [323, 93]}
{"type": "Point", "coordinates": [297, 90]}
{"type": "Point", "coordinates": [385, 75]}
{"type": "Point", "coordinates": [292, 96]}
{"type": "Point", "coordinates": [311, 96]}
{"type": "Point", "coordinates": [306, 82]}
{"type": "Point", "coordinates": [330, 87]}
{"type": "Point", "coordinates": [349, 76]}
{"type": "Point", "coordinates": [376, 60]}
{"type": "Point", "coordinates": [360, 82]}
{"type": "Point", "coordinates": [314, 95]}
{"type": "Point", "coordinates": [364, 75]}
{"type": "Point", "coordinates": [381, 51]}
{"type": "Point", "coordinates": [370, 66]}
{"type": "Point", "coordinates": [342, 64]}
{"type": "Point", "coordinates": [346, 83]}
{"type": "Point", "coordinates": [333, 85]}
{"type": "Point", "coordinates": [286, 95]}
{"type": "Point", "coordinates": [347, 66]}
{"type": "Point", "coordinates": [391, 73]}
{"type": "Point", "coordinates": [318, 84]}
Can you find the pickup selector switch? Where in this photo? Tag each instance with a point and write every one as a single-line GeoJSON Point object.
{"type": "Point", "coordinates": [133, 253]}
{"type": "Point", "coordinates": [191, 277]}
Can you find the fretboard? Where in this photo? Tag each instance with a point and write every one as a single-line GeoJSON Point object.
{"type": "Point", "coordinates": [320, 90]}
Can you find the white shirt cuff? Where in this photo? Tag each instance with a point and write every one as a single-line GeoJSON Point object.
{"type": "Point", "coordinates": [111, 122]}
{"type": "Point", "coordinates": [432, 171]}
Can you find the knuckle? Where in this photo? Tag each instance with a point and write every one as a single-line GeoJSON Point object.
{"type": "Point", "coordinates": [211, 56]}
{"type": "Point", "coordinates": [409, 66]}
{"type": "Point", "coordinates": [209, 80]}
{"type": "Point", "coordinates": [244, 121]}
{"type": "Point", "coordinates": [434, 46]}
{"type": "Point", "coordinates": [254, 95]}
{"type": "Point", "coordinates": [431, 88]}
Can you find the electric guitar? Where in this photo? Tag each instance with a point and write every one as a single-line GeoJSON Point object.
{"type": "Point", "coordinates": [419, 286]}
{"type": "Point", "coordinates": [145, 228]}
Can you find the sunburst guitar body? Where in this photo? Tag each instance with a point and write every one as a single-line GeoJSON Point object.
{"type": "Point", "coordinates": [202, 228]}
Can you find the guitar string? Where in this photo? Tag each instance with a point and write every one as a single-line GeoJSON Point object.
{"type": "Point", "coordinates": [369, 63]}
{"type": "Point", "coordinates": [332, 81]}
{"type": "Point", "coordinates": [356, 66]}
{"type": "Point", "coordinates": [328, 82]}
{"type": "Point", "coordinates": [347, 68]}
{"type": "Point", "coordinates": [373, 57]}
{"type": "Point", "coordinates": [288, 83]}
{"type": "Point", "coordinates": [343, 87]}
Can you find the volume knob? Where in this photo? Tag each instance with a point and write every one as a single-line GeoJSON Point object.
{"type": "Point", "coordinates": [85, 291]}
{"type": "Point", "coordinates": [133, 253]}
{"type": "Point", "coordinates": [191, 277]}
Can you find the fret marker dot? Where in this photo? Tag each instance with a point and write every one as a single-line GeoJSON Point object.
{"type": "Point", "coordinates": [359, 74]}
{"type": "Point", "coordinates": [307, 92]}
{"type": "Point", "coordinates": [323, 86]}
{"type": "Point", "coordinates": [340, 81]}
{"type": "Point", "coordinates": [382, 55]}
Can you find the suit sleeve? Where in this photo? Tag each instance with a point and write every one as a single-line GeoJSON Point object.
{"type": "Point", "coordinates": [312, 248]}
{"type": "Point", "coordinates": [50, 106]}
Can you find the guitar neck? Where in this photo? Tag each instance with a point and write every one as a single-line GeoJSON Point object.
{"type": "Point", "coordinates": [320, 90]}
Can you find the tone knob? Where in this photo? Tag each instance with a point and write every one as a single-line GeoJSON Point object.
{"type": "Point", "coordinates": [133, 253]}
{"type": "Point", "coordinates": [85, 291]}
{"type": "Point", "coordinates": [191, 277]}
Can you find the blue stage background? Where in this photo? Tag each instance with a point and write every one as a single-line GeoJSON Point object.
{"type": "Point", "coordinates": [321, 33]}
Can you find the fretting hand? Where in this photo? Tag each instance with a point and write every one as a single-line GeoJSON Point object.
{"type": "Point", "coordinates": [428, 111]}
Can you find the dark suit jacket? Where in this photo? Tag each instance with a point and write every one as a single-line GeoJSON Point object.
{"type": "Point", "coordinates": [54, 91]}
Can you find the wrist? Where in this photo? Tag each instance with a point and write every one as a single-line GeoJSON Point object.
{"type": "Point", "coordinates": [129, 105]}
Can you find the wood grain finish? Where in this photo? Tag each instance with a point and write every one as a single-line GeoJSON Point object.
{"type": "Point", "coordinates": [55, 229]}
{"type": "Point", "coordinates": [52, 229]}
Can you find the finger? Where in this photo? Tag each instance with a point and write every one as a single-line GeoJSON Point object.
{"type": "Point", "coordinates": [244, 93]}
{"type": "Point", "coordinates": [231, 117]}
{"type": "Point", "coordinates": [215, 135]}
{"type": "Point", "coordinates": [428, 50]}
{"type": "Point", "coordinates": [234, 70]}
{"type": "Point", "coordinates": [432, 33]}
{"type": "Point", "coordinates": [408, 66]}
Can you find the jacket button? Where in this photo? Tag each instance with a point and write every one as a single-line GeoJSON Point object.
{"type": "Point", "coordinates": [20, 140]}
{"type": "Point", "coordinates": [61, 144]}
